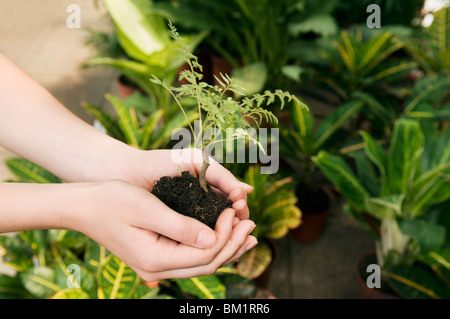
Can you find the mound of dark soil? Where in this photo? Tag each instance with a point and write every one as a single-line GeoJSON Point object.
{"type": "Point", "coordinates": [184, 195]}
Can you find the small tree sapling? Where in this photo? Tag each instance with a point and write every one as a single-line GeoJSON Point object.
{"type": "Point", "coordinates": [217, 109]}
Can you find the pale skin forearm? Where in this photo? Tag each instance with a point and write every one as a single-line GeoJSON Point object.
{"type": "Point", "coordinates": [41, 206]}
{"type": "Point", "coordinates": [36, 126]}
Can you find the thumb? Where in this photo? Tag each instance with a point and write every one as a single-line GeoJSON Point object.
{"type": "Point", "coordinates": [167, 222]}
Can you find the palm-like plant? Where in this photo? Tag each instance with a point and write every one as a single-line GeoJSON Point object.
{"type": "Point", "coordinates": [431, 48]}
{"type": "Point", "coordinates": [361, 60]}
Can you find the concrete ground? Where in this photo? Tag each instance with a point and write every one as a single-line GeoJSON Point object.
{"type": "Point", "coordinates": [34, 34]}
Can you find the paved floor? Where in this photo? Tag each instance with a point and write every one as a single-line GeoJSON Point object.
{"type": "Point", "coordinates": [34, 34]}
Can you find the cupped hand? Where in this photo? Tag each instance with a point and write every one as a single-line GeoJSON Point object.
{"type": "Point", "coordinates": [155, 241]}
{"type": "Point", "coordinates": [144, 168]}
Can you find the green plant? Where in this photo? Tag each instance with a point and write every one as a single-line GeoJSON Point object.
{"type": "Point", "coordinates": [254, 33]}
{"type": "Point", "coordinates": [272, 206]}
{"type": "Point", "coordinates": [431, 47]}
{"type": "Point", "coordinates": [403, 188]}
{"type": "Point", "coordinates": [138, 122]}
{"type": "Point", "coordinates": [216, 111]}
{"type": "Point", "coordinates": [392, 12]}
{"type": "Point", "coordinates": [425, 101]}
{"type": "Point", "coordinates": [142, 36]}
{"type": "Point", "coordinates": [359, 59]}
{"type": "Point", "coordinates": [302, 141]}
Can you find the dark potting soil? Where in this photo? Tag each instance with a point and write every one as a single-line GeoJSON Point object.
{"type": "Point", "coordinates": [184, 195]}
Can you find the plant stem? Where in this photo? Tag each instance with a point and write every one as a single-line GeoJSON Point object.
{"type": "Point", "coordinates": [202, 175]}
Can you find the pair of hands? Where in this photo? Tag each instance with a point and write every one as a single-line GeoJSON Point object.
{"type": "Point", "coordinates": [156, 242]}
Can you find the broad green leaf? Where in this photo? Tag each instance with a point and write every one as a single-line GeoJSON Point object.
{"type": "Point", "coordinates": [388, 207]}
{"type": "Point", "coordinates": [71, 293]}
{"type": "Point", "coordinates": [336, 120]}
{"type": "Point", "coordinates": [37, 239]}
{"type": "Point", "coordinates": [17, 253]}
{"type": "Point", "coordinates": [203, 287]}
{"type": "Point", "coordinates": [321, 24]}
{"type": "Point", "coordinates": [439, 30]}
{"type": "Point", "coordinates": [432, 187]}
{"type": "Point", "coordinates": [254, 262]}
{"type": "Point", "coordinates": [378, 156]}
{"type": "Point", "coordinates": [279, 215]}
{"type": "Point", "coordinates": [379, 110]}
{"type": "Point", "coordinates": [140, 31]}
{"type": "Point", "coordinates": [415, 282]}
{"type": "Point", "coordinates": [303, 122]}
{"type": "Point", "coordinates": [340, 174]}
{"type": "Point", "coordinates": [67, 238]}
{"type": "Point", "coordinates": [30, 172]}
{"type": "Point", "coordinates": [293, 72]}
{"type": "Point", "coordinates": [252, 77]}
{"type": "Point", "coordinates": [427, 89]}
{"type": "Point", "coordinates": [404, 158]}
{"type": "Point", "coordinates": [366, 172]}
{"type": "Point", "coordinates": [116, 279]}
{"type": "Point", "coordinates": [429, 236]}
{"type": "Point", "coordinates": [12, 288]}
{"type": "Point", "coordinates": [40, 281]}
{"type": "Point", "coordinates": [70, 271]}
{"type": "Point", "coordinates": [144, 292]}
{"type": "Point", "coordinates": [94, 256]}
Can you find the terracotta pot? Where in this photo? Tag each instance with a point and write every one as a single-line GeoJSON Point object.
{"type": "Point", "coordinates": [384, 292]}
{"type": "Point", "coordinates": [315, 206]}
{"type": "Point", "coordinates": [126, 87]}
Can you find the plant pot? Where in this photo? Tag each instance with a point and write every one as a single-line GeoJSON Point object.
{"type": "Point", "coordinates": [315, 206]}
{"type": "Point", "coordinates": [126, 87]}
{"type": "Point", "coordinates": [262, 281]}
{"type": "Point", "coordinates": [384, 292]}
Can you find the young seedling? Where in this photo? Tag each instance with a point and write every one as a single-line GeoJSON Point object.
{"type": "Point", "coordinates": [216, 107]}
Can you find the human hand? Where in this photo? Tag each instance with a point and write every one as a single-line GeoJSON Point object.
{"type": "Point", "coordinates": [144, 168]}
{"type": "Point", "coordinates": [156, 242]}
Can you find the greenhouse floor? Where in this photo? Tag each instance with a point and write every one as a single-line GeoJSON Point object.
{"type": "Point", "coordinates": [34, 34]}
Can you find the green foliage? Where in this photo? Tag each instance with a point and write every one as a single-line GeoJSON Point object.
{"type": "Point", "coordinates": [253, 32]}
{"type": "Point", "coordinates": [42, 260]}
{"type": "Point", "coordinates": [304, 140]}
{"type": "Point", "coordinates": [272, 205]}
{"type": "Point", "coordinates": [142, 35]}
{"type": "Point", "coordinates": [431, 48]}
{"type": "Point", "coordinates": [361, 60]}
{"type": "Point", "coordinates": [140, 128]}
{"type": "Point", "coordinates": [216, 109]}
{"type": "Point", "coordinates": [410, 186]}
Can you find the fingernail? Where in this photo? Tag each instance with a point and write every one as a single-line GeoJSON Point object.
{"type": "Point", "coordinates": [251, 245]}
{"type": "Point", "coordinates": [249, 187]}
{"type": "Point", "coordinates": [205, 239]}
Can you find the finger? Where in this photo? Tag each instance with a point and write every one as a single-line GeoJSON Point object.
{"type": "Point", "coordinates": [250, 243]}
{"type": "Point", "coordinates": [170, 255]}
{"type": "Point", "coordinates": [241, 209]}
{"type": "Point", "coordinates": [156, 216]}
{"type": "Point", "coordinates": [221, 178]}
{"type": "Point", "coordinates": [237, 194]}
{"type": "Point", "coordinates": [237, 239]}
